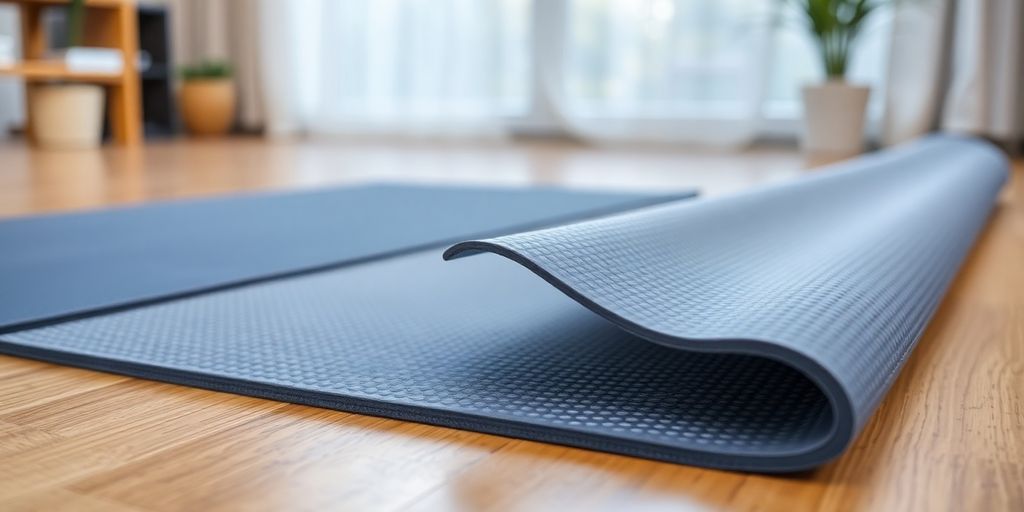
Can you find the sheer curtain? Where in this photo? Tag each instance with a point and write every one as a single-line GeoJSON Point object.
{"type": "Point", "coordinates": [958, 66]}
{"type": "Point", "coordinates": [716, 72]}
{"type": "Point", "coordinates": [663, 70]}
{"type": "Point", "coordinates": [12, 91]}
{"type": "Point", "coordinates": [444, 67]}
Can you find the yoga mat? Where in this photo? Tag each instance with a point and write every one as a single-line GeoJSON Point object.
{"type": "Point", "coordinates": [60, 266]}
{"type": "Point", "coordinates": [752, 332]}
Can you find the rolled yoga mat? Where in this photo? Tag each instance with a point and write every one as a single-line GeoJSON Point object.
{"type": "Point", "coordinates": [752, 332]}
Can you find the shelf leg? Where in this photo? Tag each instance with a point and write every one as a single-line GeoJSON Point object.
{"type": "Point", "coordinates": [33, 45]}
{"type": "Point", "coordinates": [124, 99]}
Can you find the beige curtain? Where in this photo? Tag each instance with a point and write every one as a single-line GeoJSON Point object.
{"type": "Point", "coordinates": [12, 91]}
{"type": "Point", "coordinates": [229, 30]}
{"type": "Point", "coordinates": [957, 66]}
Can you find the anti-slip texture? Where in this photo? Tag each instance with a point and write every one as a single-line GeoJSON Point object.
{"type": "Point", "coordinates": [753, 332]}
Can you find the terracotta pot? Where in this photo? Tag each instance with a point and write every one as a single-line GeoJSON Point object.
{"type": "Point", "coordinates": [66, 116]}
{"type": "Point", "coordinates": [208, 105]}
{"type": "Point", "coordinates": [834, 118]}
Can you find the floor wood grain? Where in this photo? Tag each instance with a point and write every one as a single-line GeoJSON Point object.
{"type": "Point", "coordinates": [949, 435]}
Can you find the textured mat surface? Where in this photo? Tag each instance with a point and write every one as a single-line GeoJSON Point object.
{"type": "Point", "coordinates": [754, 332]}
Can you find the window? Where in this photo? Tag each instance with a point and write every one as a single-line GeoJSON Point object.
{"type": "Point", "coordinates": [722, 71]}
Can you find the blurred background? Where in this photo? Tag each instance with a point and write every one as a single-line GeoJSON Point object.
{"type": "Point", "coordinates": [707, 72]}
{"type": "Point", "coordinates": [666, 79]}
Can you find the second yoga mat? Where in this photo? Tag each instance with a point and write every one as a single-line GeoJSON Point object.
{"type": "Point", "coordinates": [754, 332]}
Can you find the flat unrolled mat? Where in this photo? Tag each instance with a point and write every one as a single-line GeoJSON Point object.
{"type": "Point", "coordinates": [752, 332]}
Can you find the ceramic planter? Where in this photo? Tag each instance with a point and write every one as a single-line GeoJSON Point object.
{"type": "Point", "coordinates": [207, 106]}
{"type": "Point", "coordinates": [66, 116]}
{"type": "Point", "coordinates": [834, 118]}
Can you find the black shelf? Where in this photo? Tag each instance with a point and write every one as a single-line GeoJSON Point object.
{"type": "Point", "coordinates": [159, 115]}
{"type": "Point", "coordinates": [156, 72]}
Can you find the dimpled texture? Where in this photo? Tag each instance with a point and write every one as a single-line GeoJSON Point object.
{"type": "Point", "coordinates": [414, 331]}
{"type": "Point", "coordinates": [778, 320]}
{"type": "Point", "coordinates": [838, 274]}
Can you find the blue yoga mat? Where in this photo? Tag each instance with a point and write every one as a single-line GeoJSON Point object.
{"type": "Point", "coordinates": [60, 266]}
{"type": "Point", "coordinates": [753, 332]}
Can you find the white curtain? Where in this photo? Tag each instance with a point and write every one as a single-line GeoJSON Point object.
{"type": "Point", "coordinates": [717, 72]}
{"type": "Point", "coordinates": [12, 91]}
{"type": "Point", "coordinates": [661, 70]}
{"type": "Point", "coordinates": [437, 68]}
{"type": "Point", "coordinates": [957, 65]}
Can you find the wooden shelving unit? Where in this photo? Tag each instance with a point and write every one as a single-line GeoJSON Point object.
{"type": "Point", "coordinates": [41, 70]}
{"type": "Point", "coordinates": [108, 23]}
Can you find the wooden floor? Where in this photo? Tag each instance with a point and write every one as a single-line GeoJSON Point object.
{"type": "Point", "coordinates": [949, 435]}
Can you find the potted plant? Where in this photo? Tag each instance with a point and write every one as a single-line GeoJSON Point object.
{"type": "Point", "coordinates": [834, 111]}
{"type": "Point", "coordinates": [68, 115]}
{"type": "Point", "coordinates": [207, 98]}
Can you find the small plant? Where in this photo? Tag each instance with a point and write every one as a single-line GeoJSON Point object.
{"type": "Point", "coordinates": [206, 70]}
{"type": "Point", "coordinates": [835, 25]}
{"type": "Point", "coordinates": [76, 20]}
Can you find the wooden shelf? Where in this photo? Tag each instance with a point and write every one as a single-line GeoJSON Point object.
{"type": "Point", "coordinates": [41, 70]}
{"type": "Point", "coordinates": [88, 3]}
{"type": "Point", "coordinates": [108, 24]}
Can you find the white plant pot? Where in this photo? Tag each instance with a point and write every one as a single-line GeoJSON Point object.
{"type": "Point", "coordinates": [834, 118]}
{"type": "Point", "coordinates": [67, 116]}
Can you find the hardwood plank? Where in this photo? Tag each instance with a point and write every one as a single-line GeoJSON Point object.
{"type": "Point", "coordinates": [294, 459]}
{"type": "Point", "coordinates": [57, 500]}
{"type": "Point", "coordinates": [948, 436]}
{"type": "Point", "coordinates": [18, 438]}
{"type": "Point", "coordinates": [107, 428]}
{"type": "Point", "coordinates": [30, 385]}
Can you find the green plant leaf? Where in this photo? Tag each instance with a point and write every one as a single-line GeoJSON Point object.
{"type": "Point", "coordinates": [835, 25]}
{"type": "Point", "coordinates": [76, 21]}
{"type": "Point", "coordinates": [206, 70]}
